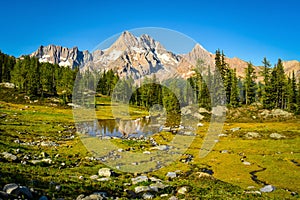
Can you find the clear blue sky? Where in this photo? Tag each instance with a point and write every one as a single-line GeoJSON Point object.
{"type": "Point", "coordinates": [249, 30]}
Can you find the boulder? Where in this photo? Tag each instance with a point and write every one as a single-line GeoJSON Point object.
{"type": "Point", "coordinates": [148, 196]}
{"type": "Point", "coordinates": [8, 188]}
{"type": "Point", "coordinates": [251, 135]}
{"type": "Point", "coordinates": [203, 110]}
{"type": "Point", "coordinates": [161, 148]}
{"type": "Point", "coordinates": [182, 190]}
{"type": "Point", "coordinates": [140, 189]}
{"type": "Point", "coordinates": [139, 179]}
{"type": "Point", "coordinates": [171, 175]}
{"type": "Point", "coordinates": [8, 85]}
{"type": "Point", "coordinates": [276, 136]}
{"type": "Point", "coordinates": [9, 156]}
{"type": "Point", "coordinates": [157, 186]}
{"type": "Point", "coordinates": [198, 116]}
{"type": "Point", "coordinates": [235, 129]}
{"type": "Point", "coordinates": [186, 110]}
{"type": "Point", "coordinates": [267, 188]}
{"type": "Point", "coordinates": [105, 172]}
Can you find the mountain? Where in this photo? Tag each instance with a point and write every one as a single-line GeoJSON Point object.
{"type": "Point", "coordinates": [136, 57]}
{"type": "Point", "coordinates": [62, 56]}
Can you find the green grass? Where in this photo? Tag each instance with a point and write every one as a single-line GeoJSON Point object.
{"type": "Point", "coordinates": [231, 176]}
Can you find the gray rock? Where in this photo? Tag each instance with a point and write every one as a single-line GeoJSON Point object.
{"type": "Point", "coordinates": [93, 177]}
{"type": "Point", "coordinates": [80, 197]}
{"type": "Point", "coordinates": [103, 179]}
{"type": "Point", "coordinates": [186, 110]}
{"type": "Point", "coordinates": [147, 152]}
{"type": "Point", "coordinates": [189, 133]}
{"type": "Point", "coordinates": [167, 129]}
{"type": "Point", "coordinates": [224, 151]}
{"type": "Point", "coordinates": [198, 116]}
{"type": "Point", "coordinates": [105, 172]}
{"type": "Point", "coordinates": [253, 192]}
{"type": "Point", "coordinates": [9, 156]}
{"type": "Point", "coordinates": [47, 160]}
{"type": "Point", "coordinates": [267, 188]}
{"type": "Point", "coordinates": [276, 136]}
{"type": "Point", "coordinates": [8, 188]}
{"type": "Point", "coordinates": [8, 85]}
{"type": "Point", "coordinates": [173, 198]}
{"type": "Point", "coordinates": [235, 129]}
{"type": "Point", "coordinates": [182, 190]}
{"type": "Point", "coordinates": [246, 163]}
{"type": "Point", "coordinates": [22, 191]}
{"type": "Point", "coordinates": [252, 135]}
{"type": "Point", "coordinates": [161, 147]}
{"type": "Point", "coordinates": [171, 175]}
{"type": "Point", "coordinates": [153, 179]}
{"type": "Point", "coordinates": [203, 110]}
{"type": "Point", "coordinates": [139, 179]}
{"type": "Point", "coordinates": [200, 124]}
{"type": "Point", "coordinates": [204, 175]}
{"type": "Point", "coordinates": [222, 135]}
{"type": "Point", "coordinates": [58, 188]}
{"type": "Point", "coordinates": [49, 144]}
{"type": "Point", "coordinates": [148, 196]}
{"type": "Point", "coordinates": [157, 186]}
{"type": "Point", "coordinates": [140, 189]}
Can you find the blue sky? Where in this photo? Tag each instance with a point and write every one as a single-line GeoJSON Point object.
{"type": "Point", "coordinates": [249, 30]}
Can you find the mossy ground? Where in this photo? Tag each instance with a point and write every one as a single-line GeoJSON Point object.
{"type": "Point", "coordinates": [30, 122]}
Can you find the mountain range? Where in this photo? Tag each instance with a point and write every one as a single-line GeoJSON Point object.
{"type": "Point", "coordinates": [143, 56]}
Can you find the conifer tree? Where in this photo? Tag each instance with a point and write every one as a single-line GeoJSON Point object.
{"type": "Point", "coordinates": [250, 85]}
{"type": "Point", "coordinates": [234, 98]}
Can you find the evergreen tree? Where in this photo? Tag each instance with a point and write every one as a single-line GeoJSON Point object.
{"type": "Point", "coordinates": [266, 90]}
{"type": "Point", "coordinates": [250, 85]}
{"type": "Point", "coordinates": [280, 85]}
{"type": "Point", "coordinates": [234, 98]}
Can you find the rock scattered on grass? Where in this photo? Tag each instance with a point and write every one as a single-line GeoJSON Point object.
{"type": "Point", "coordinates": [9, 156]}
{"type": "Point", "coordinates": [106, 172]}
{"type": "Point", "coordinates": [267, 188]}
{"type": "Point", "coordinates": [251, 135]}
{"type": "Point", "coordinates": [276, 136]}
{"type": "Point", "coordinates": [182, 190]}
{"type": "Point", "coordinates": [235, 129]}
{"type": "Point", "coordinates": [171, 175]}
{"type": "Point", "coordinates": [139, 179]}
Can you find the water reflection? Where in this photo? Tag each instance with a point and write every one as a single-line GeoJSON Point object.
{"type": "Point", "coordinates": [121, 128]}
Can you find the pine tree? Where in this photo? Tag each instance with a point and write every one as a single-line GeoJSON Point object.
{"type": "Point", "coordinates": [266, 89]}
{"type": "Point", "coordinates": [234, 98]}
{"type": "Point", "coordinates": [280, 85]}
{"type": "Point", "coordinates": [250, 85]}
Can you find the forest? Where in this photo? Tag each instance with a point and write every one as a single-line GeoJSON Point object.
{"type": "Point", "coordinates": [214, 87]}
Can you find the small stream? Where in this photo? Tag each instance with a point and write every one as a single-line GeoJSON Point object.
{"type": "Point", "coordinates": [254, 176]}
{"type": "Point", "coordinates": [296, 163]}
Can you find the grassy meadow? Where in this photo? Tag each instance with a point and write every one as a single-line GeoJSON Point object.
{"type": "Point", "coordinates": [24, 126]}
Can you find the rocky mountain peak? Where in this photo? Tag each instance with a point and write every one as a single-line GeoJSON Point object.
{"type": "Point", "coordinates": [62, 56]}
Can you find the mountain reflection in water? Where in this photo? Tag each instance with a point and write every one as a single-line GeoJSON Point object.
{"type": "Point", "coordinates": [120, 128]}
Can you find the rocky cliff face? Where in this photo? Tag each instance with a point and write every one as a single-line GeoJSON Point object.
{"type": "Point", "coordinates": [142, 56]}
{"type": "Point", "coordinates": [61, 55]}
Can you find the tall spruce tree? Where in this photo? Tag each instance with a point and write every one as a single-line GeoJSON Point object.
{"type": "Point", "coordinates": [234, 98]}
{"type": "Point", "coordinates": [249, 84]}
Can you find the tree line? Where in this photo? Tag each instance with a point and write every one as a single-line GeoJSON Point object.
{"type": "Point", "coordinates": [208, 86]}
{"type": "Point", "coordinates": [37, 79]}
